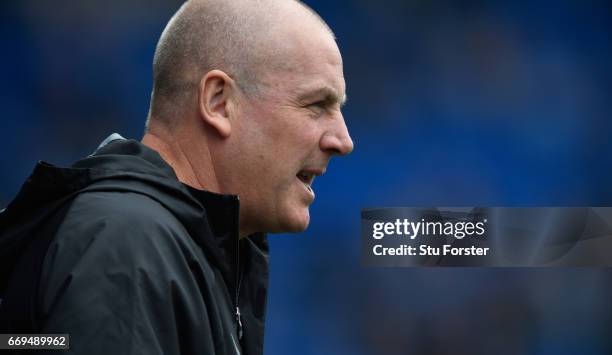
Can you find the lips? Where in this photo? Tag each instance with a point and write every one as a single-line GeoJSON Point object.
{"type": "Point", "coordinates": [307, 176]}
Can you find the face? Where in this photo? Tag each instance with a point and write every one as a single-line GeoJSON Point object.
{"type": "Point", "coordinates": [286, 136]}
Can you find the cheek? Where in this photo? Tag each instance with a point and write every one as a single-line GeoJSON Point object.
{"type": "Point", "coordinates": [277, 144]}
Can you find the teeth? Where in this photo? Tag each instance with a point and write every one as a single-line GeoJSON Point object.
{"type": "Point", "coordinates": [306, 178]}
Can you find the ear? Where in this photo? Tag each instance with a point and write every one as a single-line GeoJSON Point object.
{"type": "Point", "coordinates": [214, 93]}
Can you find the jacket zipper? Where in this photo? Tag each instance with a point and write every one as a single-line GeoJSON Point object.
{"type": "Point", "coordinates": [238, 277]}
{"type": "Point", "coordinates": [239, 321]}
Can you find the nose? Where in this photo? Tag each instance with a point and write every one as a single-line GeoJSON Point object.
{"type": "Point", "coordinates": [337, 140]}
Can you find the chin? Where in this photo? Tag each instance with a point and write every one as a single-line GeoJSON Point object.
{"type": "Point", "coordinates": [295, 222]}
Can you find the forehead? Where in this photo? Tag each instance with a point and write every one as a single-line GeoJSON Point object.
{"type": "Point", "coordinates": [307, 58]}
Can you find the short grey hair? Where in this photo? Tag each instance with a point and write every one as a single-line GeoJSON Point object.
{"type": "Point", "coordinates": [228, 35]}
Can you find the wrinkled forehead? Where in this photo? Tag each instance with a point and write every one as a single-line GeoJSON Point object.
{"type": "Point", "coordinates": [306, 56]}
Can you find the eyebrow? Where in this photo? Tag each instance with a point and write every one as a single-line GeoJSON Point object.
{"type": "Point", "coordinates": [326, 93]}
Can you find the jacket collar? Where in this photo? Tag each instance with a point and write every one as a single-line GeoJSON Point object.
{"type": "Point", "coordinates": [213, 223]}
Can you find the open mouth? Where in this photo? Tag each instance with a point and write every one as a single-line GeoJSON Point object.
{"type": "Point", "coordinates": [306, 178]}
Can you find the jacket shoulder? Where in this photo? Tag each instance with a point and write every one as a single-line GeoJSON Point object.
{"type": "Point", "coordinates": [120, 229]}
{"type": "Point", "coordinates": [119, 207]}
{"type": "Point", "coordinates": [117, 217]}
{"type": "Point", "coordinates": [118, 264]}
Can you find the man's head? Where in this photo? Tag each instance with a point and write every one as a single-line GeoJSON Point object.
{"type": "Point", "coordinates": [250, 91]}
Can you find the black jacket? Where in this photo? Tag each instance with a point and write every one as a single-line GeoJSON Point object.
{"type": "Point", "coordinates": [136, 263]}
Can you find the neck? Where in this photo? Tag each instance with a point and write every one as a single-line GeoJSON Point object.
{"type": "Point", "coordinates": [190, 163]}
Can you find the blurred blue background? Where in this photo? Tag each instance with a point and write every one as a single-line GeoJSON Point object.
{"type": "Point", "coordinates": [490, 103]}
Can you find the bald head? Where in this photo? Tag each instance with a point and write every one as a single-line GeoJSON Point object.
{"type": "Point", "coordinates": [242, 38]}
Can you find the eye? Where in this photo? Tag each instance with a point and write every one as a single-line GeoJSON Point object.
{"type": "Point", "coordinates": [319, 107]}
{"type": "Point", "coordinates": [318, 104]}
